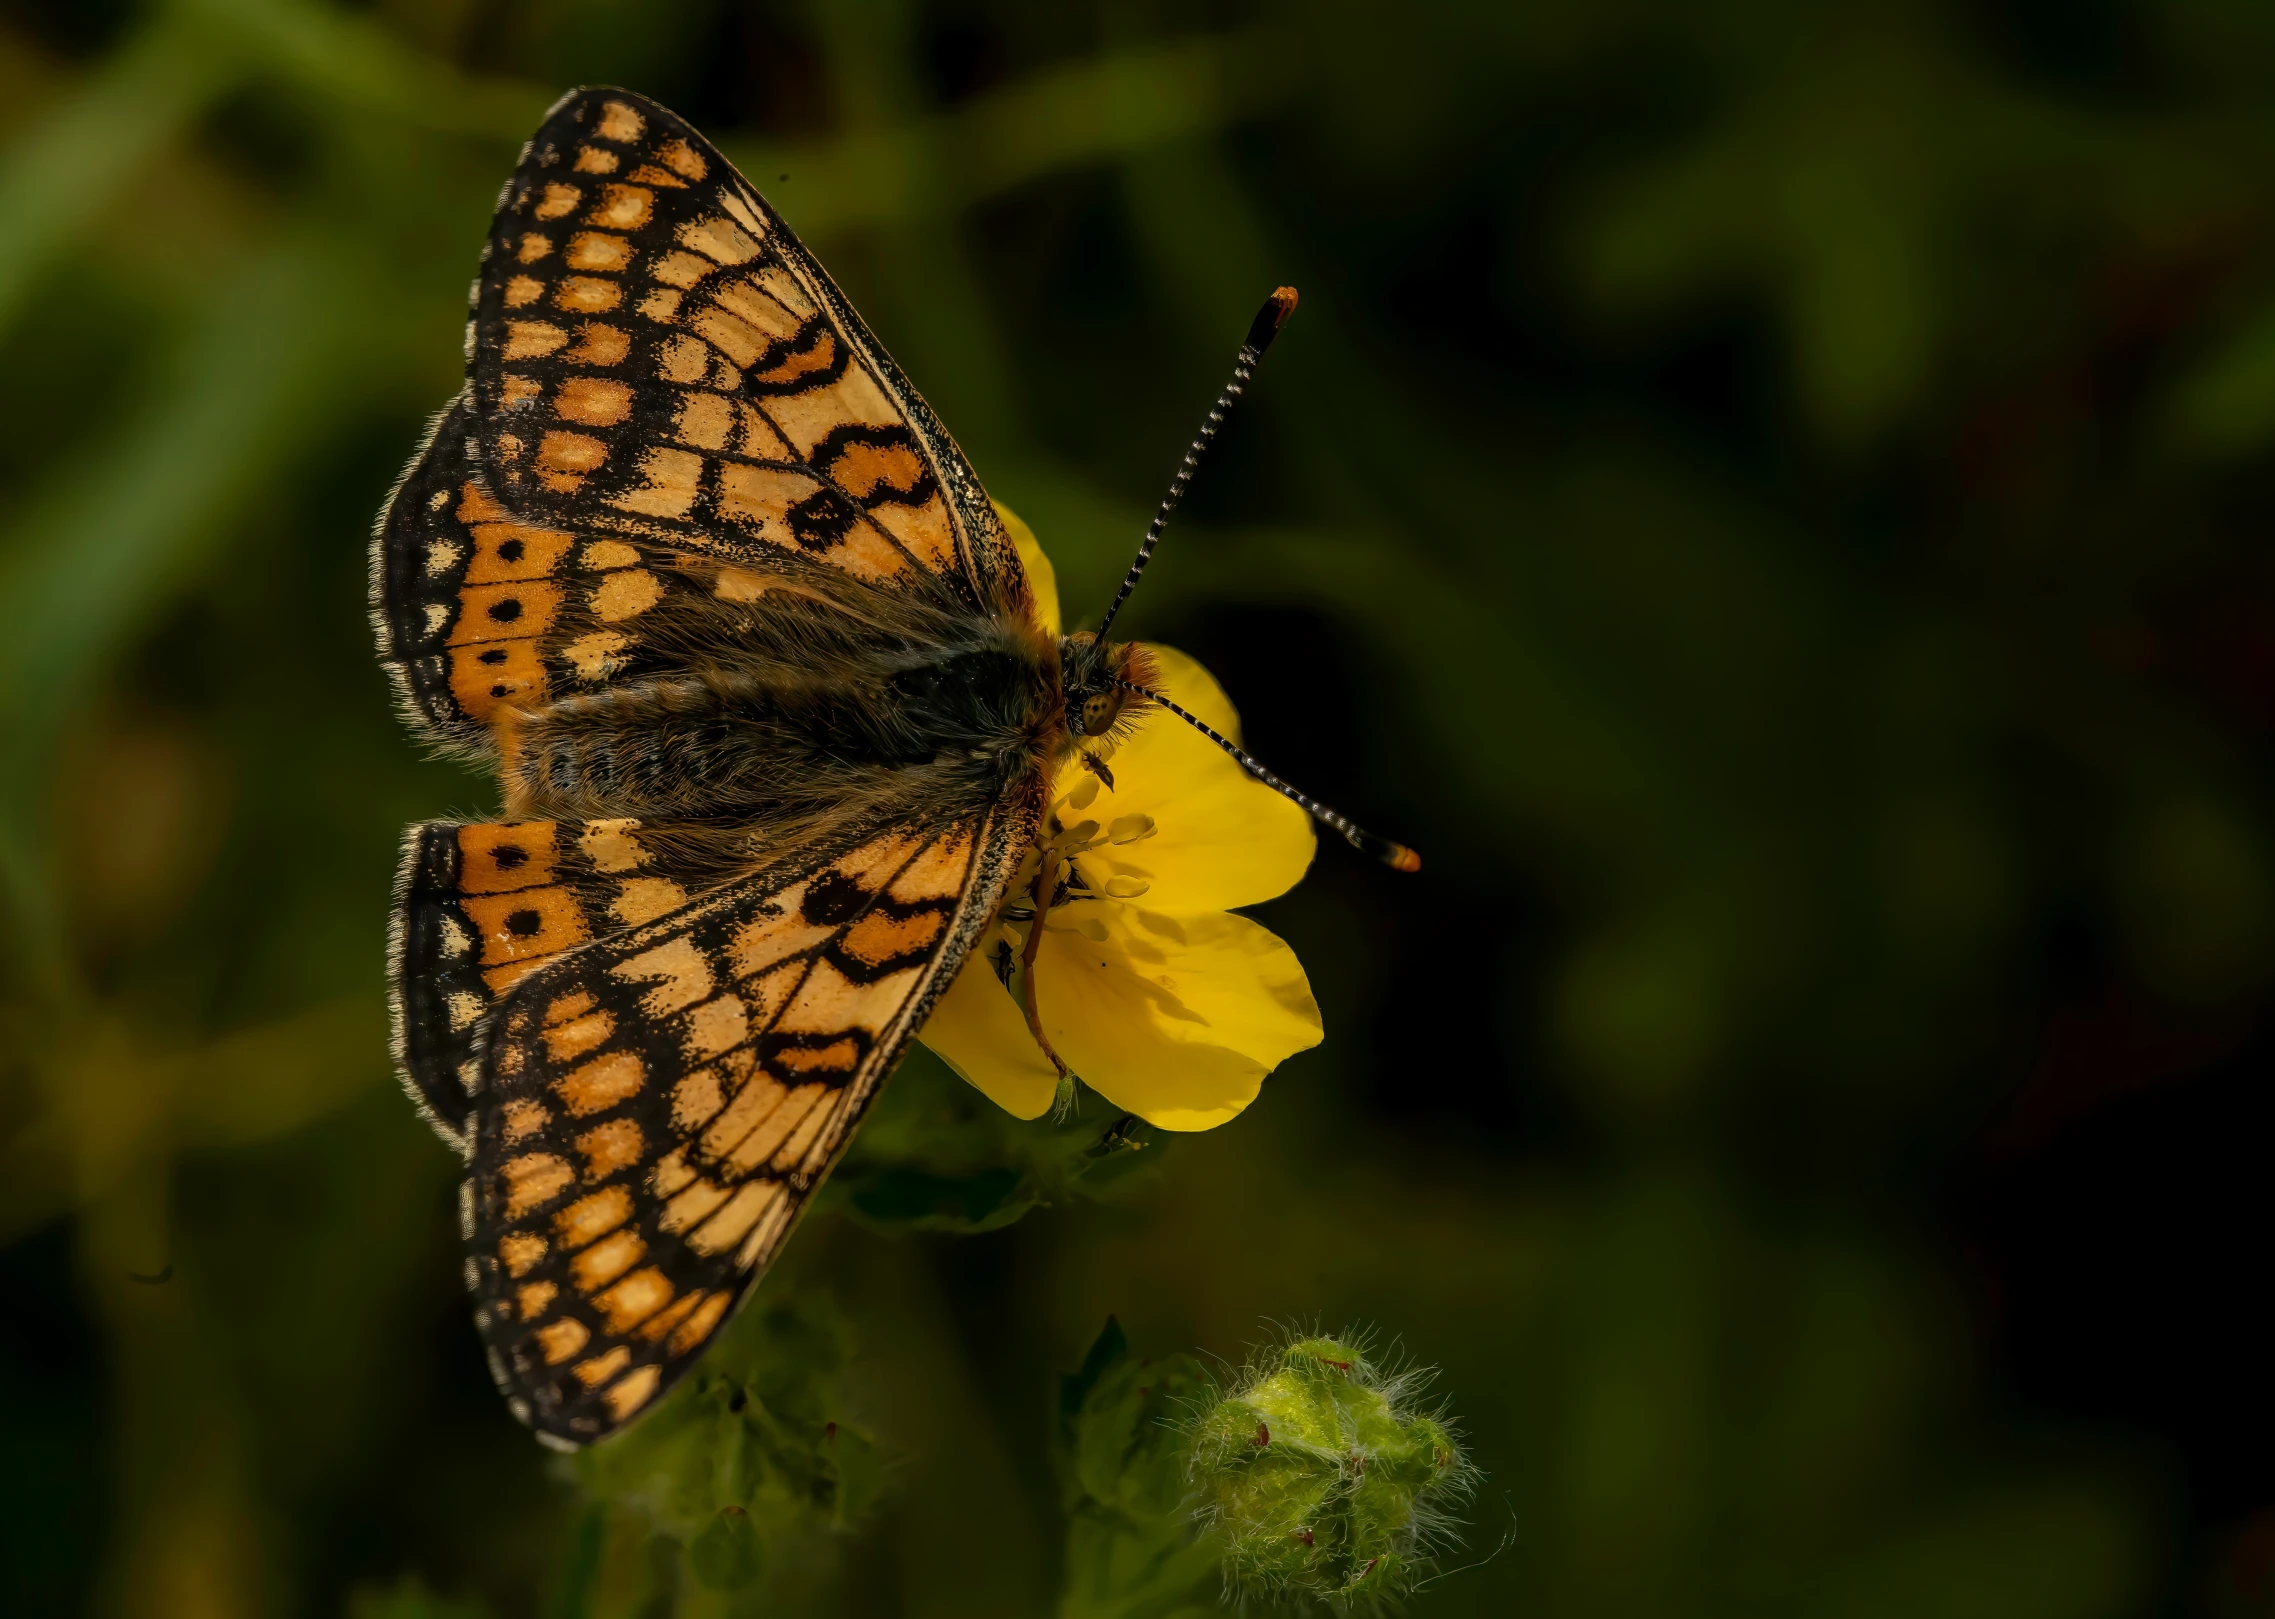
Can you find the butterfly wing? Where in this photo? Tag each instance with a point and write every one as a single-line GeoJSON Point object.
{"type": "Point", "coordinates": [652, 352]}
{"type": "Point", "coordinates": [479, 612]}
{"type": "Point", "coordinates": [480, 905]}
{"type": "Point", "coordinates": [660, 1105]}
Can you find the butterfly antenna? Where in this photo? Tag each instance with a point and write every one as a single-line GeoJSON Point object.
{"type": "Point", "coordinates": [1394, 855]}
{"type": "Point", "coordinates": [1261, 331]}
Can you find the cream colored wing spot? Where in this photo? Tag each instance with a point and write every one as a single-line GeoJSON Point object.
{"type": "Point", "coordinates": [599, 344]}
{"type": "Point", "coordinates": [559, 1339]}
{"type": "Point", "coordinates": [677, 969]}
{"type": "Point", "coordinates": [656, 1325]}
{"type": "Point", "coordinates": [773, 1126]}
{"type": "Point", "coordinates": [622, 207]}
{"type": "Point", "coordinates": [593, 401]}
{"type": "Point", "coordinates": [721, 240]}
{"type": "Point", "coordinates": [592, 1217]}
{"type": "Point", "coordinates": [714, 1027]}
{"type": "Point", "coordinates": [757, 1101]}
{"type": "Point", "coordinates": [601, 1367]}
{"type": "Point", "coordinates": [602, 1083]}
{"type": "Point", "coordinates": [700, 1324]}
{"type": "Point", "coordinates": [672, 480]}
{"type": "Point", "coordinates": [634, 1299]}
{"type": "Point", "coordinates": [611, 846]}
{"type": "Point", "coordinates": [565, 1042]}
{"type": "Point", "coordinates": [682, 159]}
{"type": "Point", "coordinates": [643, 899]}
{"type": "Point", "coordinates": [533, 1180]}
{"type": "Point", "coordinates": [610, 1148]}
{"type": "Point", "coordinates": [633, 1391]}
{"type": "Point", "coordinates": [625, 594]}
{"type": "Point", "coordinates": [521, 1119]}
{"type": "Point", "coordinates": [587, 294]}
{"type": "Point", "coordinates": [696, 1098]}
{"type": "Point", "coordinates": [593, 1268]}
{"type": "Point", "coordinates": [706, 420]}
{"type": "Point", "coordinates": [809, 417]}
{"type": "Point", "coordinates": [621, 122]}
{"type": "Point", "coordinates": [601, 555]}
{"type": "Point", "coordinates": [734, 1219]}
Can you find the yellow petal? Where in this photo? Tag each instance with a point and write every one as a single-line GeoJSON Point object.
{"type": "Point", "coordinates": [978, 1030]}
{"type": "Point", "coordinates": [1224, 839]}
{"type": "Point", "coordinates": [1041, 576]}
{"type": "Point", "coordinates": [1176, 1018]}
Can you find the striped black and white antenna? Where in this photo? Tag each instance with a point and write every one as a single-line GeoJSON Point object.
{"type": "Point", "coordinates": [1394, 855]}
{"type": "Point", "coordinates": [1261, 331]}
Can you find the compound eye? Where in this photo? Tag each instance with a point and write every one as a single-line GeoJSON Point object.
{"type": "Point", "coordinates": [1098, 713]}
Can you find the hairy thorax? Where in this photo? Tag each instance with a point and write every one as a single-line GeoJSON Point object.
{"type": "Point", "coordinates": [772, 751]}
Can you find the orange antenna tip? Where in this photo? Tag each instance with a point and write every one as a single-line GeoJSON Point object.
{"type": "Point", "coordinates": [1271, 318]}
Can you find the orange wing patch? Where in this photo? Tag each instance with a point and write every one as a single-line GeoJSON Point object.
{"type": "Point", "coordinates": [667, 1101]}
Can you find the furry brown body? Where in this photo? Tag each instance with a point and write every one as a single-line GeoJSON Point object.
{"type": "Point", "coordinates": [771, 722]}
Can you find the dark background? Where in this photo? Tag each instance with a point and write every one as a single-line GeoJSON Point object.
{"type": "Point", "coordinates": [1771, 498]}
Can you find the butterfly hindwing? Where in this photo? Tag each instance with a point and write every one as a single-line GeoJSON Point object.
{"type": "Point", "coordinates": [654, 353]}
{"type": "Point", "coordinates": [661, 1105]}
{"type": "Point", "coordinates": [480, 613]}
{"type": "Point", "coordinates": [481, 904]}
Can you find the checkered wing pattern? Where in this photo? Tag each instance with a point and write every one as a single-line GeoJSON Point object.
{"type": "Point", "coordinates": [480, 905]}
{"type": "Point", "coordinates": [481, 612]}
{"type": "Point", "coordinates": [653, 353]}
{"type": "Point", "coordinates": [660, 1105]}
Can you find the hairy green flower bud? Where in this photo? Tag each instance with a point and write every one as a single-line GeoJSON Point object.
{"type": "Point", "coordinates": [1319, 1478]}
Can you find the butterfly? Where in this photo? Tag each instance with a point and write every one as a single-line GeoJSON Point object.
{"type": "Point", "coordinates": [774, 717]}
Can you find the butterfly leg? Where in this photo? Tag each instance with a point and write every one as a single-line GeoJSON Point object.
{"type": "Point", "coordinates": [1045, 890]}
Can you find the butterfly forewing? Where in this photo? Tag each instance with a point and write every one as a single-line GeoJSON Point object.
{"type": "Point", "coordinates": [654, 353]}
{"type": "Point", "coordinates": [661, 1105]}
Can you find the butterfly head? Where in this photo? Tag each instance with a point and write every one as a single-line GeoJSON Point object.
{"type": "Point", "coordinates": [1097, 677]}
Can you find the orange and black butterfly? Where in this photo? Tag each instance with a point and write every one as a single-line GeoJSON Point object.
{"type": "Point", "coordinates": [774, 718]}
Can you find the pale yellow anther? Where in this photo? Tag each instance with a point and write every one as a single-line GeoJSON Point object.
{"type": "Point", "coordinates": [1125, 887]}
{"type": "Point", "coordinates": [1079, 833]}
{"type": "Point", "coordinates": [1131, 829]}
{"type": "Point", "coordinates": [1083, 795]}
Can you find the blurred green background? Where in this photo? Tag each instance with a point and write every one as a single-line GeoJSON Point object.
{"type": "Point", "coordinates": [1771, 498]}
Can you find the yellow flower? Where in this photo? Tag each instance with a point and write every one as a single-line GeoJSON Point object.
{"type": "Point", "coordinates": [1146, 987]}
